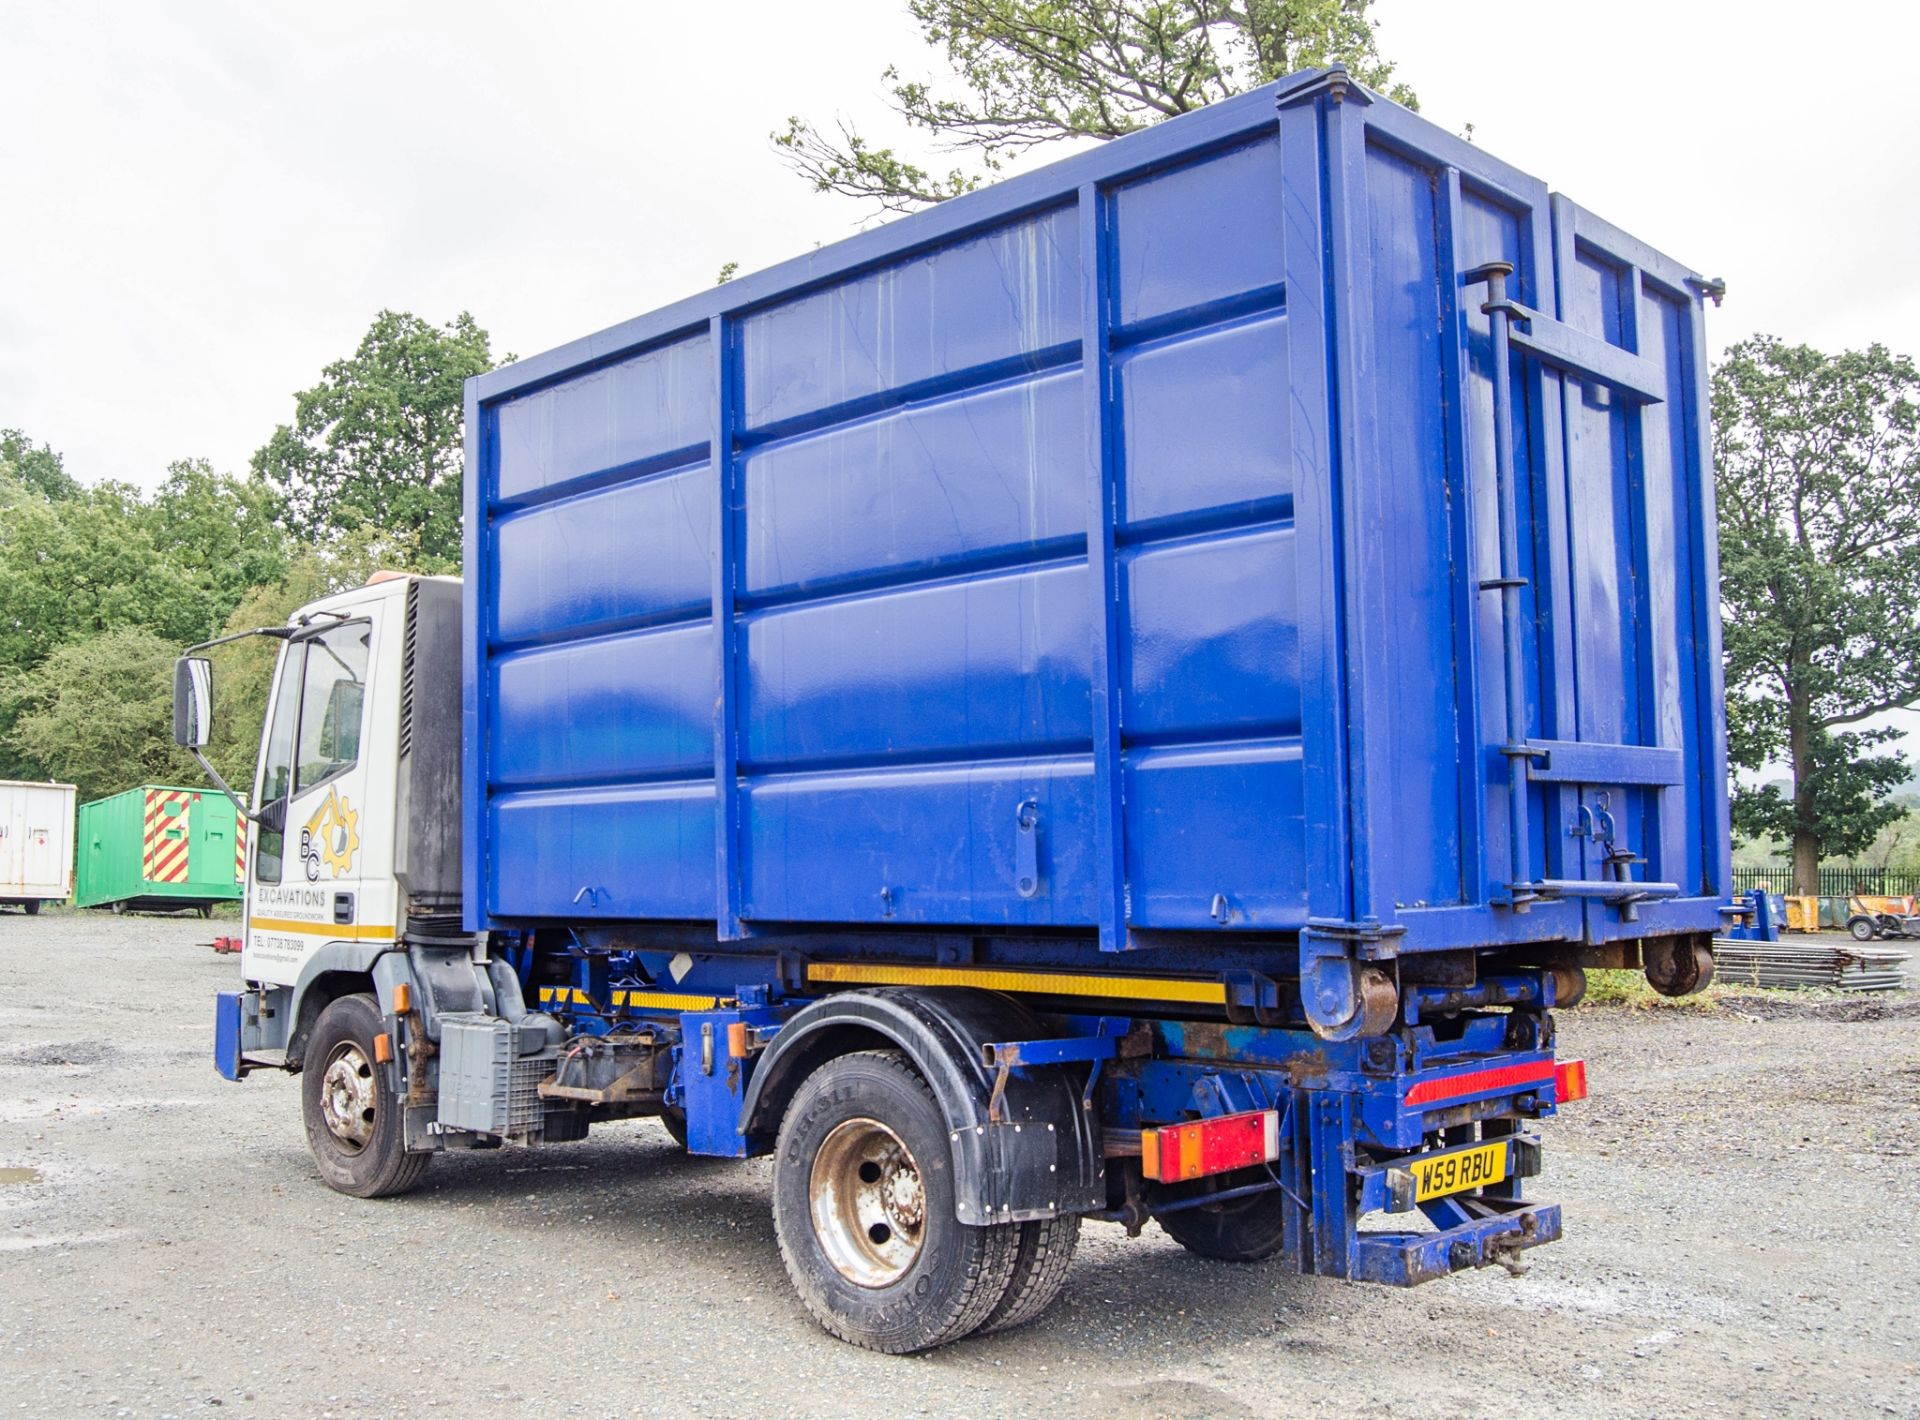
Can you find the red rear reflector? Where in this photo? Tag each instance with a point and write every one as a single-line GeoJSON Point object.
{"type": "Point", "coordinates": [1569, 1081]}
{"type": "Point", "coordinates": [1207, 1146]}
{"type": "Point", "coordinates": [1481, 1082]}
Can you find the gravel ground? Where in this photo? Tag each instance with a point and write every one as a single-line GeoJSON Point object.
{"type": "Point", "coordinates": [1738, 1195]}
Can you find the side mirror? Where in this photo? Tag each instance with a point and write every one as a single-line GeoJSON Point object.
{"type": "Point", "coordinates": [192, 701]}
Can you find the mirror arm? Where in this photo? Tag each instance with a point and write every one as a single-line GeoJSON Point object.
{"type": "Point", "coordinates": [279, 633]}
{"type": "Point", "coordinates": [239, 804]}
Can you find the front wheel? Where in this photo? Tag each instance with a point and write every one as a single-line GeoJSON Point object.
{"type": "Point", "coordinates": [1861, 929]}
{"type": "Point", "coordinates": [863, 1206]}
{"type": "Point", "coordinates": [354, 1126]}
{"type": "Point", "coordinates": [1247, 1229]}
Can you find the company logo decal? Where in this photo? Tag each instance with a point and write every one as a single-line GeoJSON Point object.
{"type": "Point", "coordinates": [331, 836]}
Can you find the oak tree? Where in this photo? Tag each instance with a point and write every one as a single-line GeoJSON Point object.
{"type": "Point", "coordinates": [378, 442]}
{"type": "Point", "coordinates": [1818, 477]}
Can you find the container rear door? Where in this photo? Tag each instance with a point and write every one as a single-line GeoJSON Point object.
{"type": "Point", "coordinates": [1526, 519]}
{"type": "Point", "coordinates": [46, 842]}
{"type": "Point", "coordinates": [1636, 629]}
{"type": "Point", "coordinates": [165, 840]}
{"type": "Point", "coordinates": [211, 854]}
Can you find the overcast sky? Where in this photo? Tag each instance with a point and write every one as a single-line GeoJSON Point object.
{"type": "Point", "coordinates": [206, 202]}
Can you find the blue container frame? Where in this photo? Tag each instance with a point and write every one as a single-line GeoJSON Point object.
{"type": "Point", "coordinates": [1326, 127]}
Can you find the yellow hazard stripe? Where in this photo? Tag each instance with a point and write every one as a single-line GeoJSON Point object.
{"type": "Point", "coordinates": [1039, 983]}
{"type": "Point", "coordinates": [358, 932]}
{"type": "Point", "coordinates": [630, 1000]}
{"type": "Point", "coordinates": [169, 864]}
{"type": "Point", "coordinates": [663, 1001]}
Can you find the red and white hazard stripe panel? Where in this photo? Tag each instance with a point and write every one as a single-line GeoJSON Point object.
{"type": "Point", "coordinates": [164, 855]}
{"type": "Point", "coordinates": [239, 849]}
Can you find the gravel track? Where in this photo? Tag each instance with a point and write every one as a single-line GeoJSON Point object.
{"type": "Point", "coordinates": [1739, 1195]}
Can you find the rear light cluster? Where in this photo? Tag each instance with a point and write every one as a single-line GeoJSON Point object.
{"type": "Point", "coordinates": [1569, 1081]}
{"type": "Point", "coordinates": [1177, 1152]}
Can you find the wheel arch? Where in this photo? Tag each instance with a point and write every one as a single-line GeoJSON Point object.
{"type": "Point", "coordinates": [1013, 1169]}
{"type": "Point", "coordinates": [334, 970]}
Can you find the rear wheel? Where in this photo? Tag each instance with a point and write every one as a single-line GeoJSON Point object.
{"type": "Point", "coordinates": [354, 1126]}
{"type": "Point", "coordinates": [863, 1206]}
{"type": "Point", "coordinates": [1861, 928]}
{"type": "Point", "coordinates": [675, 1122]}
{"type": "Point", "coordinates": [32, 906]}
{"type": "Point", "coordinates": [1040, 1270]}
{"type": "Point", "coordinates": [1248, 1229]}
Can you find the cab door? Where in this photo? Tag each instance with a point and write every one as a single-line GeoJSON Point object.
{"type": "Point", "coordinates": [310, 849]}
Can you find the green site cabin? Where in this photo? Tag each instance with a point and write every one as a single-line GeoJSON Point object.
{"type": "Point", "coordinates": [157, 848]}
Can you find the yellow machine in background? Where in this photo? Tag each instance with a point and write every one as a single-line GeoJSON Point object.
{"type": "Point", "coordinates": [1863, 915]}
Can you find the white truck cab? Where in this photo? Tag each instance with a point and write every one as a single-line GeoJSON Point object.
{"type": "Point", "coordinates": [355, 840]}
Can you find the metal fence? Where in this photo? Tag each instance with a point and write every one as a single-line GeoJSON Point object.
{"type": "Point", "coordinates": [1834, 882]}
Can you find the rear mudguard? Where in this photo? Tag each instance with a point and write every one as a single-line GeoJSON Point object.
{"type": "Point", "coordinates": [1039, 1157]}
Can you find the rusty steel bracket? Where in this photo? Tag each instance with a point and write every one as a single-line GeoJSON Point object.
{"type": "Point", "coordinates": [1004, 1057]}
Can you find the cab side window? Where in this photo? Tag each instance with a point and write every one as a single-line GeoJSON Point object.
{"type": "Point", "coordinates": [333, 692]}
{"type": "Point", "coordinates": [315, 734]}
{"type": "Point", "coordinates": [276, 763]}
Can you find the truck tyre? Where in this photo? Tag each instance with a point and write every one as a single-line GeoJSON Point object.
{"type": "Point", "coordinates": [354, 1126]}
{"type": "Point", "coordinates": [1040, 1268]}
{"type": "Point", "coordinates": [33, 906]}
{"type": "Point", "coordinates": [1249, 1229]}
{"type": "Point", "coordinates": [675, 1121]}
{"type": "Point", "coordinates": [863, 1206]}
{"type": "Point", "coordinates": [1861, 928]}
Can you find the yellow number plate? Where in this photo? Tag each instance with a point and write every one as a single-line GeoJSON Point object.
{"type": "Point", "coordinates": [1456, 1173]}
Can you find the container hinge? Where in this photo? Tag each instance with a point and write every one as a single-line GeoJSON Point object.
{"type": "Point", "coordinates": [1714, 288]}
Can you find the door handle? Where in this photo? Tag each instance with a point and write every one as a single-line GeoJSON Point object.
{"type": "Point", "coordinates": [343, 908]}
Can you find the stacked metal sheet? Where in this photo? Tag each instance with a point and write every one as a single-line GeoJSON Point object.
{"type": "Point", "coordinates": [1850, 967]}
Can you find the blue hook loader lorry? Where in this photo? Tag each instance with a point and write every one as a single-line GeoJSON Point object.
{"type": "Point", "coordinates": [1132, 694]}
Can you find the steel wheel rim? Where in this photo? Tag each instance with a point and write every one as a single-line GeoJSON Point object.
{"type": "Point", "coordinates": [348, 1099]}
{"type": "Point", "coordinates": [868, 1203]}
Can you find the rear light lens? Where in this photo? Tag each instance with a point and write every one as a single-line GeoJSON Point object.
{"type": "Point", "coordinates": [1208, 1146]}
{"type": "Point", "coordinates": [1569, 1081]}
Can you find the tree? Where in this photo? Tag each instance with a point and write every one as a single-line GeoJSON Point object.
{"type": "Point", "coordinates": [98, 713]}
{"type": "Point", "coordinates": [78, 566]}
{"type": "Point", "coordinates": [1033, 72]}
{"type": "Point", "coordinates": [220, 536]}
{"type": "Point", "coordinates": [39, 470]}
{"type": "Point", "coordinates": [1893, 846]}
{"type": "Point", "coordinates": [378, 442]}
{"type": "Point", "coordinates": [1818, 476]}
{"type": "Point", "coordinates": [76, 563]}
